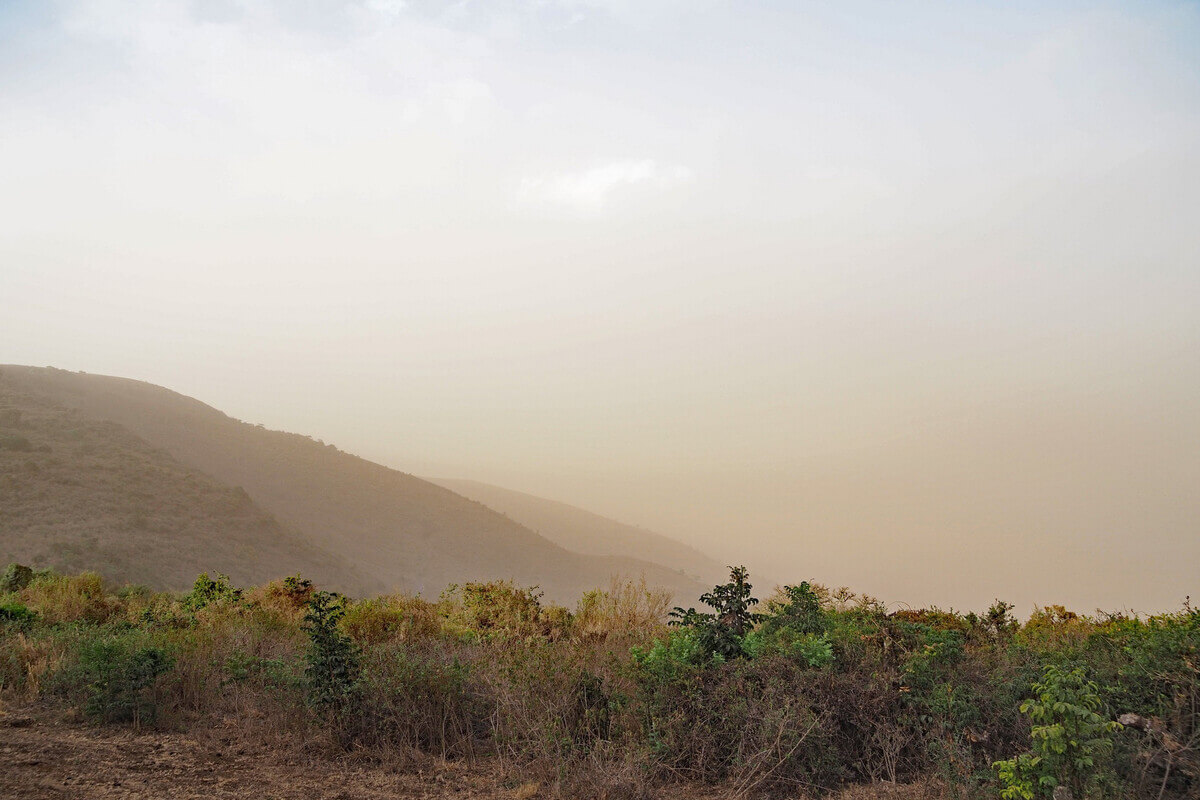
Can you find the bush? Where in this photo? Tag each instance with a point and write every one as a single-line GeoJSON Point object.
{"type": "Point", "coordinates": [120, 673]}
{"type": "Point", "coordinates": [15, 578]}
{"type": "Point", "coordinates": [720, 633]}
{"type": "Point", "coordinates": [628, 610]}
{"type": "Point", "coordinates": [382, 619]}
{"type": "Point", "coordinates": [70, 598]}
{"type": "Point", "coordinates": [15, 615]}
{"type": "Point", "coordinates": [207, 591]}
{"type": "Point", "coordinates": [826, 689]}
{"type": "Point", "coordinates": [1071, 741]}
{"type": "Point", "coordinates": [333, 661]}
{"type": "Point", "coordinates": [419, 697]}
{"type": "Point", "coordinates": [498, 609]}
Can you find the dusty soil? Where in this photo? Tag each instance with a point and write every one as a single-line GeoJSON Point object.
{"type": "Point", "coordinates": [44, 753]}
{"type": "Point", "coordinates": [43, 756]}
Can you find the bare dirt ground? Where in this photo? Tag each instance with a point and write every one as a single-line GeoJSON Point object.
{"type": "Point", "coordinates": [46, 754]}
{"type": "Point", "coordinates": [42, 756]}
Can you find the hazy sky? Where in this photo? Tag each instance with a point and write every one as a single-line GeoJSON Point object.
{"type": "Point", "coordinates": [901, 296]}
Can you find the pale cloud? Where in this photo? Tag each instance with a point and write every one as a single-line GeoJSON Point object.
{"type": "Point", "coordinates": [590, 192]}
{"type": "Point", "coordinates": [387, 7]}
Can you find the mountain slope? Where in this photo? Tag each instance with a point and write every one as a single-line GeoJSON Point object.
{"type": "Point", "coordinates": [403, 531]}
{"type": "Point", "coordinates": [585, 532]}
{"type": "Point", "coordinates": [77, 493]}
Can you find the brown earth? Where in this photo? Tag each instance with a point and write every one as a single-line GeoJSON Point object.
{"type": "Point", "coordinates": [46, 755]}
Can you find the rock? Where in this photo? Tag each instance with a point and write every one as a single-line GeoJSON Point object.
{"type": "Point", "coordinates": [1135, 721]}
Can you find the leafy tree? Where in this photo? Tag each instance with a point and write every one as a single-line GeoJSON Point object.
{"type": "Point", "coordinates": [120, 674]}
{"type": "Point", "coordinates": [802, 613]}
{"type": "Point", "coordinates": [334, 661]}
{"type": "Point", "coordinates": [722, 633]}
{"type": "Point", "coordinates": [1070, 740]}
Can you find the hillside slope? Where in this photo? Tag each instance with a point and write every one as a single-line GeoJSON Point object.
{"type": "Point", "coordinates": [77, 493]}
{"type": "Point", "coordinates": [401, 530]}
{"type": "Point", "coordinates": [585, 532]}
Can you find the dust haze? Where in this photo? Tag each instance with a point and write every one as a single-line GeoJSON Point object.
{"type": "Point", "coordinates": [901, 299]}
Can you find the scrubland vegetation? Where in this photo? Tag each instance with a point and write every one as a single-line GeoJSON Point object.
{"type": "Point", "coordinates": [808, 693]}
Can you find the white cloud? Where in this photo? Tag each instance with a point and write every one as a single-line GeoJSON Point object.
{"type": "Point", "coordinates": [589, 192]}
{"type": "Point", "coordinates": [389, 8]}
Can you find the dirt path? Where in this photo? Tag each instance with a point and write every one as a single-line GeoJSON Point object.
{"type": "Point", "coordinates": [41, 757]}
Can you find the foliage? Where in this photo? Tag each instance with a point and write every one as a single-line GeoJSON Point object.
{"type": "Point", "coordinates": [333, 661]}
{"type": "Point", "coordinates": [291, 593]}
{"type": "Point", "coordinates": [627, 609]}
{"type": "Point", "coordinates": [721, 632]}
{"type": "Point", "coordinates": [498, 609]}
{"type": "Point", "coordinates": [120, 674]}
{"type": "Point", "coordinates": [1071, 740]}
{"type": "Point", "coordinates": [208, 591]}
{"type": "Point", "coordinates": [15, 578]}
{"type": "Point", "coordinates": [16, 615]}
{"type": "Point", "coordinates": [800, 611]}
{"type": "Point", "coordinates": [826, 690]}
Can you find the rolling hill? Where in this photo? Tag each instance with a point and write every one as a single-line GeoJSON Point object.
{"type": "Point", "coordinates": [78, 493]}
{"type": "Point", "coordinates": [585, 532]}
{"type": "Point", "coordinates": [395, 529]}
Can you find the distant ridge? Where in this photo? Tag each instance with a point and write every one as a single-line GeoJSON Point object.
{"type": "Point", "coordinates": [586, 532]}
{"type": "Point", "coordinates": [78, 493]}
{"type": "Point", "coordinates": [397, 530]}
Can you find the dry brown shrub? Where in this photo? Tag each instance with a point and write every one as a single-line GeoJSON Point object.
{"type": "Point", "coordinates": [627, 609]}
{"type": "Point", "coordinates": [71, 598]}
{"type": "Point", "coordinates": [25, 662]}
{"type": "Point", "coordinates": [396, 617]}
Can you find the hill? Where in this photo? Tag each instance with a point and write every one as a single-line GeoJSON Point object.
{"type": "Point", "coordinates": [394, 528]}
{"type": "Point", "coordinates": [78, 493]}
{"type": "Point", "coordinates": [586, 532]}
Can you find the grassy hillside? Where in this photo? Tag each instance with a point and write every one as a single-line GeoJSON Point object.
{"type": "Point", "coordinates": [585, 532]}
{"type": "Point", "coordinates": [400, 530]}
{"type": "Point", "coordinates": [78, 493]}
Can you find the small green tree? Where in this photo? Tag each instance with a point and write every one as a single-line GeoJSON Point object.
{"type": "Point", "coordinates": [802, 613]}
{"type": "Point", "coordinates": [334, 661]}
{"type": "Point", "coordinates": [722, 633]}
{"type": "Point", "coordinates": [206, 591]}
{"type": "Point", "coordinates": [1070, 740]}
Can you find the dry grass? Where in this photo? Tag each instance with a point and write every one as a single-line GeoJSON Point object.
{"type": "Point", "coordinates": [71, 598]}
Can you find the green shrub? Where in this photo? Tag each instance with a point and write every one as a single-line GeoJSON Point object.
{"type": "Point", "coordinates": [15, 615]}
{"type": "Point", "coordinates": [208, 591]}
{"type": "Point", "coordinates": [1071, 741]}
{"type": "Point", "coordinates": [799, 610]}
{"type": "Point", "coordinates": [721, 632]}
{"type": "Point", "coordinates": [15, 578]}
{"type": "Point", "coordinates": [120, 673]}
{"type": "Point", "coordinates": [333, 660]}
